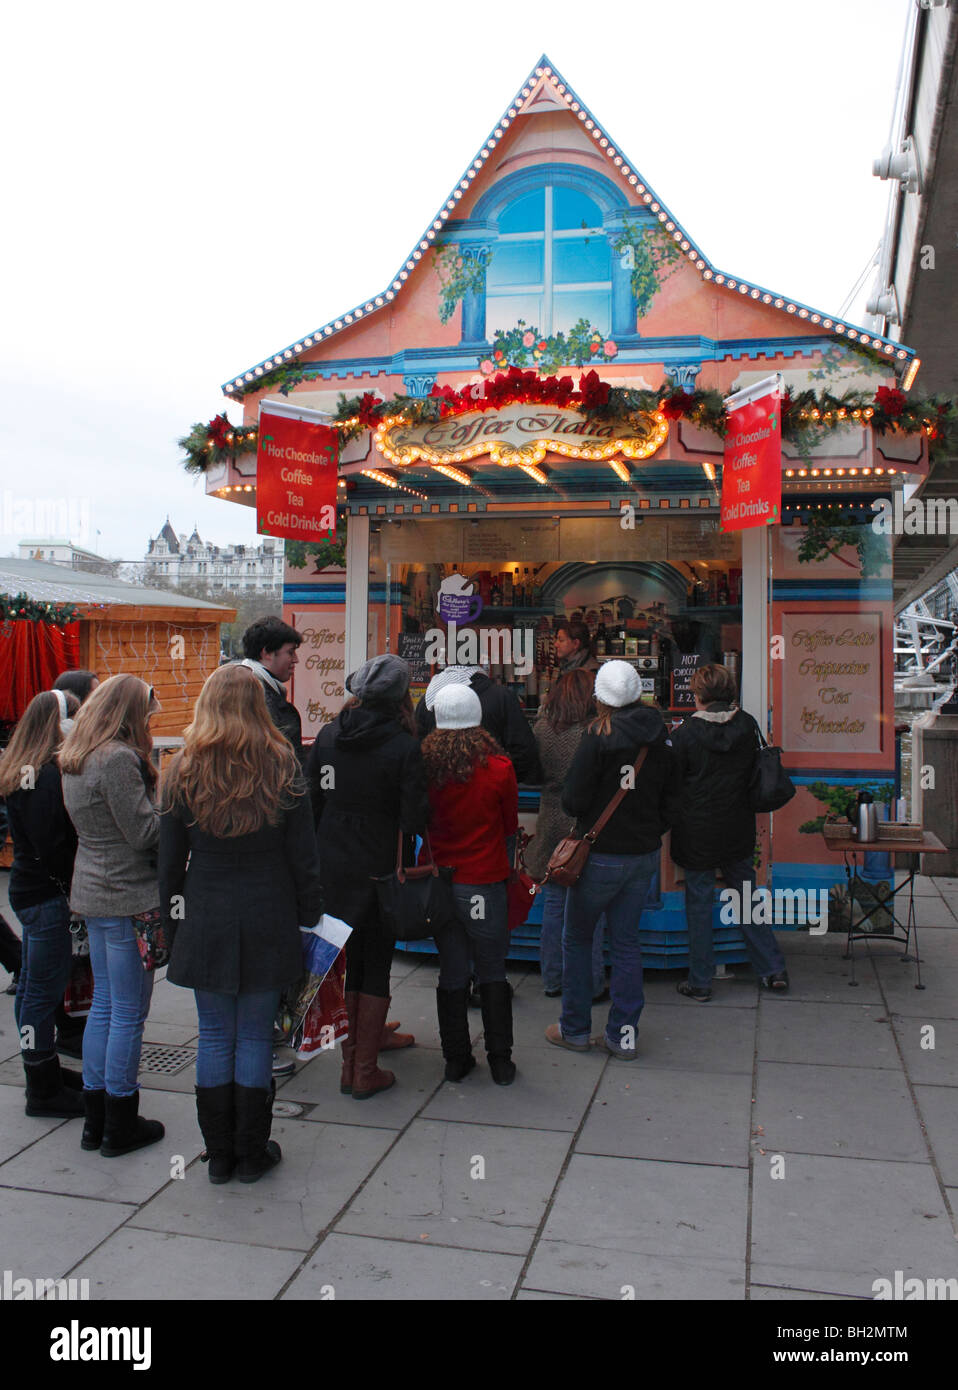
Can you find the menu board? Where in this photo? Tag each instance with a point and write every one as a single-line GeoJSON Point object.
{"type": "Point", "coordinates": [683, 670]}
{"type": "Point", "coordinates": [317, 688]}
{"type": "Point", "coordinates": [702, 540]}
{"type": "Point", "coordinates": [510, 539]}
{"type": "Point", "coordinates": [412, 648]}
{"type": "Point", "coordinates": [832, 682]}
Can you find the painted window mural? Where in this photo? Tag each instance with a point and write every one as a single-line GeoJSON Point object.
{"type": "Point", "coordinates": [552, 265]}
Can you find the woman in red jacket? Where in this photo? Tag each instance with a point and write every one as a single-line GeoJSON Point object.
{"type": "Point", "coordinates": [475, 807]}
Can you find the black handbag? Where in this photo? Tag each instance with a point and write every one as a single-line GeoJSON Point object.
{"type": "Point", "coordinates": [416, 902]}
{"type": "Point", "coordinates": [771, 787]}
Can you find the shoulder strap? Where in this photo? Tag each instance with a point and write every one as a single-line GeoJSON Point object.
{"type": "Point", "coordinates": [616, 801]}
{"type": "Point", "coordinates": [762, 741]}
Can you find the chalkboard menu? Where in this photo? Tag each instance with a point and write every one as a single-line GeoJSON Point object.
{"type": "Point", "coordinates": [412, 648]}
{"type": "Point", "coordinates": [684, 668]}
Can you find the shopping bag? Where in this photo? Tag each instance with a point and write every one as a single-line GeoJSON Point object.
{"type": "Point", "coordinates": [325, 1022]}
{"type": "Point", "coordinates": [322, 946]}
{"type": "Point", "coordinates": [78, 995]}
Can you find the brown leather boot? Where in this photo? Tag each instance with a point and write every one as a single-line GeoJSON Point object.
{"type": "Point", "coordinates": [351, 1000]}
{"type": "Point", "coordinates": [391, 1039]}
{"type": "Point", "coordinates": [367, 1077]}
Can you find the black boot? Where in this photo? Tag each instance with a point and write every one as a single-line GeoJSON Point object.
{"type": "Point", "coordinates": [497, 1024]}
{"type": "Point", "coordinates": [72, 1080]}
{"type": "Point", "coordinates": [123, 1128]}
{"type": "Point", "coordinates": [255, 1152]}
{"type": "Point", "coordinates": [69, 1033]}
{"type": "Point", "coordinates": [94, 1104]}
{"type": "Point", "coordinates": [47, 1097]}
{"type": "Point", "coordinates": [214, 1110]}
{"type": "Point", "coordinates": [451, 1008]}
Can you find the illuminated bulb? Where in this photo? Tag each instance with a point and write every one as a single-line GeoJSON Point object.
{"type": "Point", "coordinates": [853, 472]}
{"type": "Point", "coordinates": [891, 472]}
{"type": "Point", "coordinates": [828, 472]}
{"type": "Point", "coordinates": [790, 472]}
{"type": "Point", "coordinates": [803, 472]}
{"type": "Point", "coordinates": [841, 472]}
{"type": "Point", "coordinates": [815, 472]}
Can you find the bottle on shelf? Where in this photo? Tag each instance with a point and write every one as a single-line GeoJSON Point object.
{"type": "Point", "coordinates": [631, 644]}
{"type": "Point", "coordinates": [518, 592]}
{"type": "Point", "coordinates": [601, 640]}
{"type": "Point", "coordinates": [723, 591]}
{"type": "Point", "coordinates": [496, 594]}
{"type": "Point", "coordinates": [527, 588]}
{"type": "Point", "coordinates": [506, 586]}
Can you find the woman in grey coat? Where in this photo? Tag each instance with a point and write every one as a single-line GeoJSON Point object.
{"type": "Point", "coordinates": [108, 785]}
{"type": "Point", "coordinates": [560, 726]}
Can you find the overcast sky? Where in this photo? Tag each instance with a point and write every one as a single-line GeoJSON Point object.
{"type": "Point", "coordinates": [192, 186]}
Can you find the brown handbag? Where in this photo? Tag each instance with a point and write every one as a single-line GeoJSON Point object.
{"type": "Point", "coordinates": [569, 857]}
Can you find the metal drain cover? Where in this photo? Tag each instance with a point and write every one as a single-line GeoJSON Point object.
{"type": "Point", "coordinates": [286, 1109]}
{"type": "Point", "coordinates": [167, 1060]}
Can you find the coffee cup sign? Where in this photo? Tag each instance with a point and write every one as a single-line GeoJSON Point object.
{"type": "Point", "coordinates": [457, 602]}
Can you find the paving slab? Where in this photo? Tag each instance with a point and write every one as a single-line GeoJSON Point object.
{"type": "Point", "coordinates": [859, 1034]}
{"type": "Point", "coordinates": [357, 1267]}
{"type": "Point", "coordinates": [682, 1116]}
{"type": "Point", "coordinates": [45, 1235]}
{"type": "Point", "coordinates": [734, 992]}
{"type": "Point", "coordinates": [939, 998]}
{"type": "Point", "coordinates": [764, 1293]}
{"type": "Point", "coordinates": [322, 1167]}
{"type": "Point", "coordinates": [140, 1265]}
{"type": "Point", "coordinates": [173, 1004]}
{"type": "Point", "coordinates": [930, 1049]}
{"type": "Point", "coordinates": [552, 1090]}
{"type": "Point", "coordinates": [418, 1071]}
{"type": "Point", "coordinates": [693, 1037]}
{"type": "Point", "coordinates": [827, 979]}
{"type": "Point", "coordinates": [667, 1230]}
{"type": "Point", "coordinates": [537, 1296]}
{"type": "Point", "coordinates": [939, 1111]}
{"type": "Point", "coordinates": [835, 1226]}
{"type": "Point", "coordinates": [415, 1007]}
{"type": "Point", "coordinates": [480, 1187]}
{"type": "Point", "coordinates": [858, 1112]}
{"type": "Point", "coordinates": [171, 1034]}
{"type": "Point", "coordinates": [58, 1164]}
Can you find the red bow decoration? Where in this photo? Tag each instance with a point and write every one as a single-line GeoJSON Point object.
{"type": "Point", "coordinates": [891, 401]}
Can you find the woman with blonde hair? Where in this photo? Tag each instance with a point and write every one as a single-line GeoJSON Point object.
{"type": "Point", "coordinates": [108, 785]}
{"type": "Point", "coordinates": [44, 846]}
{"type": "Point", "coordinates": [235, 807]}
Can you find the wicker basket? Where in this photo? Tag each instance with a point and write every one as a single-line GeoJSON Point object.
{"type": "Point", "coordinates": [899, 830]}
{"type": "Point", "coordinates": [838, 832]}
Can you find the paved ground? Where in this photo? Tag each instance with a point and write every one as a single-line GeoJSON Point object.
{"type": "Point", "coordinates": [760, 1148]}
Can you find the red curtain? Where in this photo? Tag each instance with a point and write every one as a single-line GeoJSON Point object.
{"type": "Point", "coordinates": [32, 655]}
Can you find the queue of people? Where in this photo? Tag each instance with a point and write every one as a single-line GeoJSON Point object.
{"type": "Point", "coordinates": [250, 838]}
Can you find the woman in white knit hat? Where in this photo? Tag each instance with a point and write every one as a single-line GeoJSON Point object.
{"type": "Point", "coordinates": [624, 859]}
{"type": "Point", "coordinates": [475, 808]}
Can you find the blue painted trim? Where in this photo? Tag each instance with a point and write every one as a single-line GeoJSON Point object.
{"type": "Point", "coordinates": [837, 589]}
{"type": "Point", "coordinates": [851, 778]}
{"type": "Point", "coordinates": [610, 197]}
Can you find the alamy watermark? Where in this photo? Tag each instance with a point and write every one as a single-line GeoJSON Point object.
{"type": "Point", "coordinates": [916, 516]}
{"type": "Point", "coordinates": [775, 907]}
{"type": "Point", "coordinates": [14, 1290]}
{"type": "Point", "coordinates": [494, 646]}
{"type": "Point", "coordinates": [66, 517]}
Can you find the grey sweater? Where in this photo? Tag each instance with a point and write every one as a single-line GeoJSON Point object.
{"type": "Point", "coordinates": [118, 827]}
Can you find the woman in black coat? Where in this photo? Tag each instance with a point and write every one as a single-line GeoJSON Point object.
{"type": "Point", "coordinates": [236, 807]}
{"type": "Point", "coordinates": [714, 827]}
{"type": "Point", "coordinates": [368, 783]}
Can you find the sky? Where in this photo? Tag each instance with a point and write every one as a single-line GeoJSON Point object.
{"type": "Point", "coordinates": [192, 187]}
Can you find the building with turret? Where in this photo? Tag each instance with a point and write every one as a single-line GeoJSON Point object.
{"type": "Point", "coordinates": [180, 559]}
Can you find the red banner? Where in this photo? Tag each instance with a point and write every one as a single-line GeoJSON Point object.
{"type": "Point", "coordinates": [296, 479]}
{"type": "Point", "coordinates": [752, 475]}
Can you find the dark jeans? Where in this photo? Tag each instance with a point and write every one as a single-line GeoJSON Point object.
{"type": "Point", "coordinates": [617, 885]}
{"type": "Point", "coordinates": [236, 1038]}
{"type": "Point", "coordinates": [482, 933]}
{"type": "Point", "coordinates": [763, 950]}
{"type": "Point", "coordinates": [47, 948]}
{"type": "Point", "coordinates": [550, 941]}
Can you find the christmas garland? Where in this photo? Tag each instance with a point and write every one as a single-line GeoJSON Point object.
{"type": "Point", "coordinates": [807, 417]}
{"type": "Point", "coordinates": [20, 607]}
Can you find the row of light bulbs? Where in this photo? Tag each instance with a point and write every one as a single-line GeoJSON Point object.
{"type": "Point", "coordinates": [663, 216]}
{"type": "Point", "coordinates": [837, 472]}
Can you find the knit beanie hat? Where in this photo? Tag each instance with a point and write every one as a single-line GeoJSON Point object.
{"type": "Point", "coordinates": [383, 679]}
{"type": "Point", "coordinates": [457, 707]}
{"type": "Point", "coordinates": [617, 684]}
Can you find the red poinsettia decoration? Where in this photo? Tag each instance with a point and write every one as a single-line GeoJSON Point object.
{"type": "Point", "coordinates": [219, 429]}
{"type": "Point", "coordinates": [594, 392]}
{"type": "Point", "coordinates": [890, 401]}
{"type": "Point", "coordinates": [676, 405]}
{"type": "Point", "coordinates": [368, 412]}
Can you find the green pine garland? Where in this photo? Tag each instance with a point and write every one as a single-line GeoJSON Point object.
{"type": "Point", "coordinates": [22, 608]}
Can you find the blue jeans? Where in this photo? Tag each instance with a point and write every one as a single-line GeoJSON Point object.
{"type": "Point", "coordinates": [763, 950]}
{"type": "Point", "coordinates": [122, 991]}
{"type": "Point", "coordinates": [618, 885]}
{"type": "Point", "coordinates": [481, 935]}
{"type": "Point", "coordinates": [550, 941]}
{"type": "Point", "coordinates": [44, 972]}
{"type": "Point", "coordinates": [236, 1038]}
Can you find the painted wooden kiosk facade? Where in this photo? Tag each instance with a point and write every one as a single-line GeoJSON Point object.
{"type": "Point", "coordinates": [553, 254]}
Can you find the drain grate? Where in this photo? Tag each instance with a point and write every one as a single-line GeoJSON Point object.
{"type": "Point", "coordinates": [168, 1060]}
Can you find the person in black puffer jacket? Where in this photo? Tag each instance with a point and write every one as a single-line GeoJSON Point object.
{"type": "Point", "coordinates": [714, 827]}
{"type": "Point", "coordinates": [623, 863]}
{"type": "Point", "coordinates": [368, 782]}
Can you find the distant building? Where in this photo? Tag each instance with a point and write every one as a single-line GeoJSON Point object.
{"type": "Point", "coordinates": [52, 551]}
{"type": "Point", "coordinates": [180, 559]}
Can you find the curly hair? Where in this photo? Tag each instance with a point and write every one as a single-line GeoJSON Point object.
{"type": "Point", "coordinates": [452, 755]}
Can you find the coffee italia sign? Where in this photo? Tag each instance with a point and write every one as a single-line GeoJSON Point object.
{"type": "Point", "coordinates": [521, 434]}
